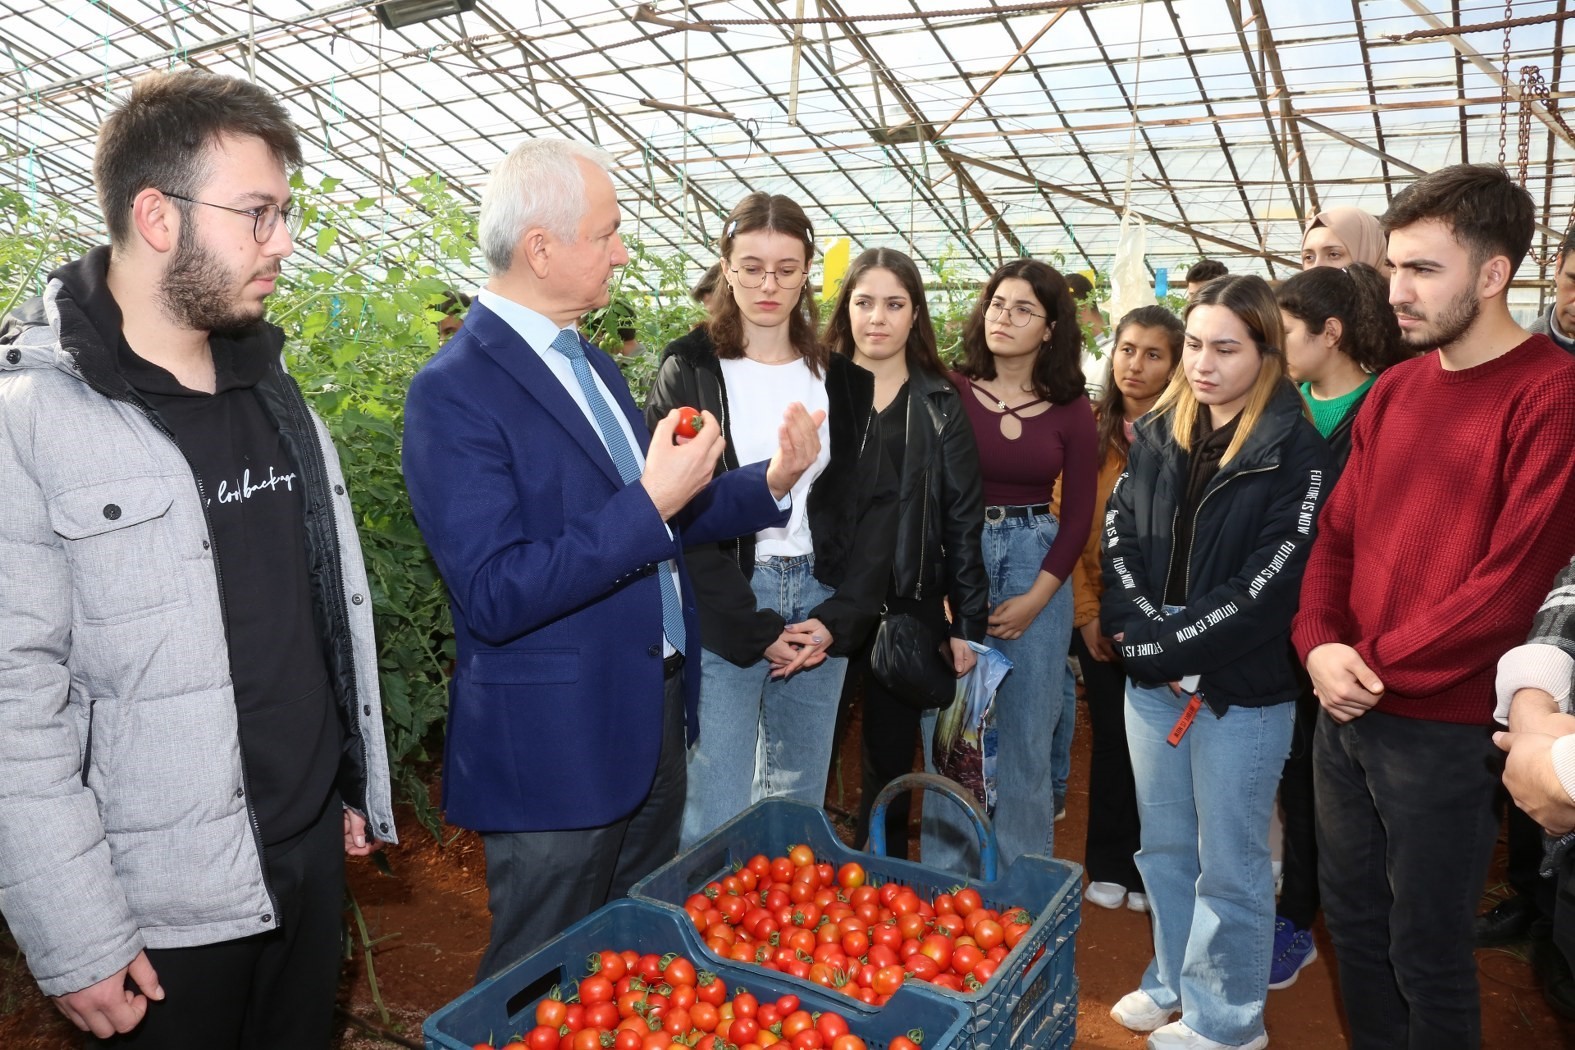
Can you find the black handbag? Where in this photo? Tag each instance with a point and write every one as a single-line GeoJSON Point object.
{"type": "Point", "coordinates": [913, 662]}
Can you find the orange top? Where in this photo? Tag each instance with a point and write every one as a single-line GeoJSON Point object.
{"type": "Point", "coordinates": [1087, 583]}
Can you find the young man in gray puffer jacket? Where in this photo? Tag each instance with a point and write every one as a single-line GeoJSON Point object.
{"type": "Point", "coordinates": [191, 738]}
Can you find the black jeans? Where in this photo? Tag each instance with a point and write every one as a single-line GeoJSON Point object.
{"type": "Point", "coordinates": [1113, 827]}
{"type": "Point", "coordinates": [275, 989]}
{"type": "Point", "coordinates": [1406, 827]}
{"type": "Point", "coordinates": [1299, 890]}
{"type": "Point", "coordinates": [890, 734]}
{"type": "Point", "coordinates": [1564, 908]}
{"type": "Point", "coordinates": [539, 883]}
{"type": "Point", "coordinates": [1523, 860]}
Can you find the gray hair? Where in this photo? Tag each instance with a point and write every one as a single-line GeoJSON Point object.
{"type": "Point", "coordinates": [537, 185]}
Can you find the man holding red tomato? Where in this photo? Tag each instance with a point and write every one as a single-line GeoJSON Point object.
{"type": "Point", "coordinates": [558, 524]}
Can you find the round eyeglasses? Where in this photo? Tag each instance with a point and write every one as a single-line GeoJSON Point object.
{"type": "Point", "coordinates": [1020, 316]}
{"type": "Point", "coordinates": [265, 217]}
{"type": "Point", "coordinates": [753, 275]}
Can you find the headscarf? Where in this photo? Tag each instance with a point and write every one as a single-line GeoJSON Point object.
{"type": "Point", "coordinates": [1360, 232]}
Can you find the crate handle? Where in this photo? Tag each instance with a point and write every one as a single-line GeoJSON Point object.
{"type": "Point", "coordinates": [989, 852]}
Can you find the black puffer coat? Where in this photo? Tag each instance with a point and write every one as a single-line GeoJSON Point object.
{"type": "Point", "coordinates": [852, 509]}
{"type": "Point", "coordinates": [1252, 532]}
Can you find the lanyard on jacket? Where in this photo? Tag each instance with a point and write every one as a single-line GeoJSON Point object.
{"type": "Point", "coordinates": [1188, 713]}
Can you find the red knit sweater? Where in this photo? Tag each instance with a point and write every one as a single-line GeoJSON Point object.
{"type": "Point", "coordinates": [1454, 514]}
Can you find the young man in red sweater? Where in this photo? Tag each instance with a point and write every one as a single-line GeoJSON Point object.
{"type": "Point", "coordinates": [1455, 512]}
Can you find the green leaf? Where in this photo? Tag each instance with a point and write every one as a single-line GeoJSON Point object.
{"type": "Point", "coordinates": [326, 238]}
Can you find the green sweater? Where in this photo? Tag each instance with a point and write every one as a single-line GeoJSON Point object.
{"type": "Point", "coordinates": [1326, 415]}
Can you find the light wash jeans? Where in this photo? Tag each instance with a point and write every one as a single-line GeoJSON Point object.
{"type": "Point", "coordinates": [1205, 808]}
{"type": "Point", "coordinates": [1061, 743]}
{"type": "Point", "coordinates": [762, 737]}
{"type": "Point", "coordinates": [1027, 708]}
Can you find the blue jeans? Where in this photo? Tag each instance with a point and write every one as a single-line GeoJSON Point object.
{"type": "Point", "coordinates": [1061, 742]}
{"type": "Point", "coordinates": [762, 737]}
{"type": "Point", "coordinates": [1205, 808]}
{"type": "Point", "coordinates": [1027, 707]}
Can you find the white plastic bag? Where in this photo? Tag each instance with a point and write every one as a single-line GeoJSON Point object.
{"type": "Point", "coordinates": [1129, 280]}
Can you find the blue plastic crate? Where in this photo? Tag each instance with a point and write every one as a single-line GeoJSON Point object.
{"type": "Point", "coordinates": [503, 1006]}
{"type": "Point", "coordinates": [1027, 1001]}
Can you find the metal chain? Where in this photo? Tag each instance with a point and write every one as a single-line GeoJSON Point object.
{"type": "Point", "coordinates": [1503, 105]}
{"type": "Point", "coordinates": [1533, 84]}
{"type": "Point", "coordinates": [1530, 76]}
{"type": "Point", "coordinates": [1534, 89]}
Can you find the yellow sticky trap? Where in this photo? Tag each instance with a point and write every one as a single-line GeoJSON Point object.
{"type": "Point", "coordinates": [835, 265]}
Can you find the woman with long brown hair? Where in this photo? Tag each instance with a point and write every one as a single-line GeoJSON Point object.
{"type": "Point", "coordinates": [1022, 388]}
{"type": "Point", "coordinates": [1209, 531]}
{"type": "Point", "coordinates": [882, 322]}
{"type": "Point", "coordinates": [779, 610]}
{"type": "Point", "coordinates": [1143, 358]}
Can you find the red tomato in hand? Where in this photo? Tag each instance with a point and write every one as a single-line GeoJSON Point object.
{"type": "Point", "coordinates": [689, 422]}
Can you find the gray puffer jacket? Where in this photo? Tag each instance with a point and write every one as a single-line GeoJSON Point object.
{"type": "Point", "coordinates": [123, 817]}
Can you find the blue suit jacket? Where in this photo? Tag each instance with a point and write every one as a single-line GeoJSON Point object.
{"type": "Point", "coordinates": [551, 562]}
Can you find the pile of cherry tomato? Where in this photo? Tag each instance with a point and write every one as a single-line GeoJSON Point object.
{"type": "Point", "coordinates": [630, 1001]}
{"type": "Point", "coordinates": [825, 924]}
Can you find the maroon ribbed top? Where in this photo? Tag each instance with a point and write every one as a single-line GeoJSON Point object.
{"type": "Point", "coordinates": [1022, 472]}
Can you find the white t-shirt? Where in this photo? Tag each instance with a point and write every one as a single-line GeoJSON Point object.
{"type": "Point", "coordinates": [757, 395]}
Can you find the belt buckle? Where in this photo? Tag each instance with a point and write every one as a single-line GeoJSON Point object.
{"type": "Point", "coordinates": [995, 515]}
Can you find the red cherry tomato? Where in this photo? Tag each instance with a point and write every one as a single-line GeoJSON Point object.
{"type": "Point", "coordinates": [550, 1013]}
{"type": "Point", "coordinates": [593, 989]}
{"type": "Point", "coordinates": [690, 422]}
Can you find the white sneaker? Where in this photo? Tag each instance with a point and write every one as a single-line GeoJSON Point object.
{"type": "Point", "coordinates": [1177, 1036]}
{"type": "Point", "coordinates": [1137, 902]}
{"type": "Point", "coordinates": [1105, 894]}
{"type": "Point", "coordinates": [1139, 1012]}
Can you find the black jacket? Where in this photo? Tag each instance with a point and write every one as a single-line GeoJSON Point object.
{"type": "Point", "coordinates": [852, 510]}
{"type": "Point", "coordinates": [1252, 532]}
{"type": "Point", "coordinates": [941, 508]}
{"type": "Point", "coordinates": [1340, 436]}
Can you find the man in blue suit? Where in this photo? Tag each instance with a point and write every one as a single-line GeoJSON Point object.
{"type": "Point", "coordinates": [559, 524]}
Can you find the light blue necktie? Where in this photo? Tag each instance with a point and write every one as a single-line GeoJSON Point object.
{"type": "Point", "coordinates": [567, 343]}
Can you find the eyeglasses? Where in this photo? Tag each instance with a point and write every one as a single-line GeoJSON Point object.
{"type": "Point", "coordinates": [265, 218]}
{"type": "Point", "coordinates": [1020, 316]}
{"type": "Point", "coordinates": [753, 275]}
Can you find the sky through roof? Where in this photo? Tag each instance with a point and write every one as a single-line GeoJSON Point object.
{"type": "Point", "coordinates": [964, 133]}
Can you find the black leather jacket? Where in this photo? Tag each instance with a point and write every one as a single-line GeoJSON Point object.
{"type": "Point", "coordinates": [941, 508]}
{"type": "Point", "coordinates": [852, 509]}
